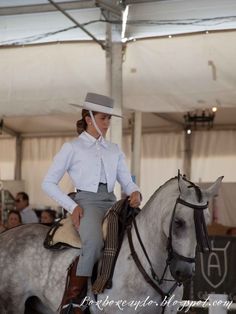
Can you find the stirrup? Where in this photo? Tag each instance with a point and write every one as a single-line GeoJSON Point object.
{"type": "Point", "coordinates": [68, 308]}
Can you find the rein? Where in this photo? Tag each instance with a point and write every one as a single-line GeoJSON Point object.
{"type": "Point", "coordinates": [142, 270]}
{"type": "Point", "coordinates": [201, 236]}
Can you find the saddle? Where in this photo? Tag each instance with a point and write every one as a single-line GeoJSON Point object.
{"type": "Point", "coordinates": [63, 235]}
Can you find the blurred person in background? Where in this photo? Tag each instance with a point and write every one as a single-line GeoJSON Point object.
{"type": "Point", "coordinates": [13, 219]}
{"type": "Point", "coordinates": [48, 216]}
{"type": "Point", "coordinates": [22, 206]}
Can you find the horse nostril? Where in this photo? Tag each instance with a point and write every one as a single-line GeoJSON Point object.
{"type": "Point", "coordinates": [177, 273]}
{"type": "Point", "coordinates": [182, 276]}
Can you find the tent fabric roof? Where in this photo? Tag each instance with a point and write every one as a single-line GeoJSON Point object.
{"type": "Point", "coordinates": [167, 75]}
{"type": "Point", "coordinates": [145, 19]}
{"type": "Point", "coordinates": [160, 74]}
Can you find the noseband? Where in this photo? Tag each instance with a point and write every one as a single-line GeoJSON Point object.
{"type": "Point", "coordinates": [200, 229]}
{"type": "Point", "coordinates": [201, 237]}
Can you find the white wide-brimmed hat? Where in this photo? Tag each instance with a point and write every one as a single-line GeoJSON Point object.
{"type": "Point", "coordinates": [98, 103]}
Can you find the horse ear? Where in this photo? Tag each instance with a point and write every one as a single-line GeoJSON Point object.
{"type": "Point", "coordinates": [213, 189]}
{"type": "Point", "coordinates": [183, 184]}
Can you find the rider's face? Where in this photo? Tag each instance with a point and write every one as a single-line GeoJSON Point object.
{"type": "Point", "coordinates": [102, 120]}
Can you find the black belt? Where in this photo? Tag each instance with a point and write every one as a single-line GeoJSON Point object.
{"type": "Point", "coordinates": [100, 184]}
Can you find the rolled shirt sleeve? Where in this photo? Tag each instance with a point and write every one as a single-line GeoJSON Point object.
{"type": "Point", "coordinates": [124, 176]}
{"type": "Point", "coordinates": [59, 167]}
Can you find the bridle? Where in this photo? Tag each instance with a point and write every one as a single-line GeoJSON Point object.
{"type": "Point", "coordinates": [200, 229]}
{"type": "Point", "coordinates": [201, 236]}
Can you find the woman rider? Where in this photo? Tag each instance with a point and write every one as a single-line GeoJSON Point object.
{"type": "Point", "coordinates": [94, 165]}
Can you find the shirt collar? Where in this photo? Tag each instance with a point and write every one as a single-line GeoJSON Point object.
{"type": "Point", "coordinates": [92, 140]}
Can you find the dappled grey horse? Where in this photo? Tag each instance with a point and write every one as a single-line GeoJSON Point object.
{"type": "Point", "coordinates": [157, 255]}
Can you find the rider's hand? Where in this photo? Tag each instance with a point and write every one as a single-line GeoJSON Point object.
{"type": "Point", "coordinates": [77, 215]}
{"type": "Point", "coordinates": [135, 199]}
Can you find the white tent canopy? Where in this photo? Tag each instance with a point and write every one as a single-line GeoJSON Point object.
{"type": "Point", "coordinates": [159, 75]}
{"type": "Point", "coordinates": [146, 18]}
{"type": "Point", "coordinates": [167, 74]}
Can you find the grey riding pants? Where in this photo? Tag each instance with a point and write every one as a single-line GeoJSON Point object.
{"type": "Point", "coordinates": [95, 206]}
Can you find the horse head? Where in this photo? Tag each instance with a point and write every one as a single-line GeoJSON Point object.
{"type": "Point", "coordinates": [185, 227]}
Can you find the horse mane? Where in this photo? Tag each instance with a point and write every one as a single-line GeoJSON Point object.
{"type": "Point", "coordinates": [153, 196]}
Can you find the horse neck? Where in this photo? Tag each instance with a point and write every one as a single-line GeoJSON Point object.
{"type": "Point", "coordinates": [150, 220]}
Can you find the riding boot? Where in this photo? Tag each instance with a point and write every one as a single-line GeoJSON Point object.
{"type": "Point", "coordinates": [75, 291]}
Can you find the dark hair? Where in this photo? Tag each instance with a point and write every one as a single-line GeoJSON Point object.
{"type": "Point", "coordinates": [24, 196]}
{"type": "Point", "coordinates": [51, 213]}
{"type": "Point", "coordinates": [16, 213]}
{"type": "Point", "coordinates": [81, 125]}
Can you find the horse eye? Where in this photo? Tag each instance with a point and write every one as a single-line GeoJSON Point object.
{"type": "Point", "coordinates": [179, 223]}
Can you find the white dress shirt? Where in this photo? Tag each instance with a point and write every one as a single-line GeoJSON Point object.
{"type": "Point", "coordinates": [87, 161]}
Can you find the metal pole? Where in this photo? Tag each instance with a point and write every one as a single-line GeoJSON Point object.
{"type": "Point", "coordinates": [114, 82]}
{"type": "Point", "coordinates": [2, 202]}
{"type": "Point", "coordinates": [18, 158]}
{"type": "Point", "coordinates": [136, 145]}
{"type": "Point", "coordinates": [76, 23]}
{"type": "Point", "coordinates": [187, 154]}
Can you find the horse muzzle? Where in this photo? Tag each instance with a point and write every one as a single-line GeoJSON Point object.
{"type": "Point", "coordinates": [181, 270]}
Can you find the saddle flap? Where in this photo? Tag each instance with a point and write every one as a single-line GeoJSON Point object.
{"type": "Point", "coordinates": [63, 234]}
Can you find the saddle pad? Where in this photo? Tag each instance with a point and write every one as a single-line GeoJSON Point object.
{"type": "Point", "coordinates": [63, 234]}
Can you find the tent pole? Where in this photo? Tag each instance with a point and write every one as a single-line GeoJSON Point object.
{"type": "Point", "coordinates": [187, 154]}
{"type": "Point", "coordinates": [114, 81]}
{"type": "Point", "coordinates": [18, 158]}
{"type": "Point", "coordinates": [136, 145]}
